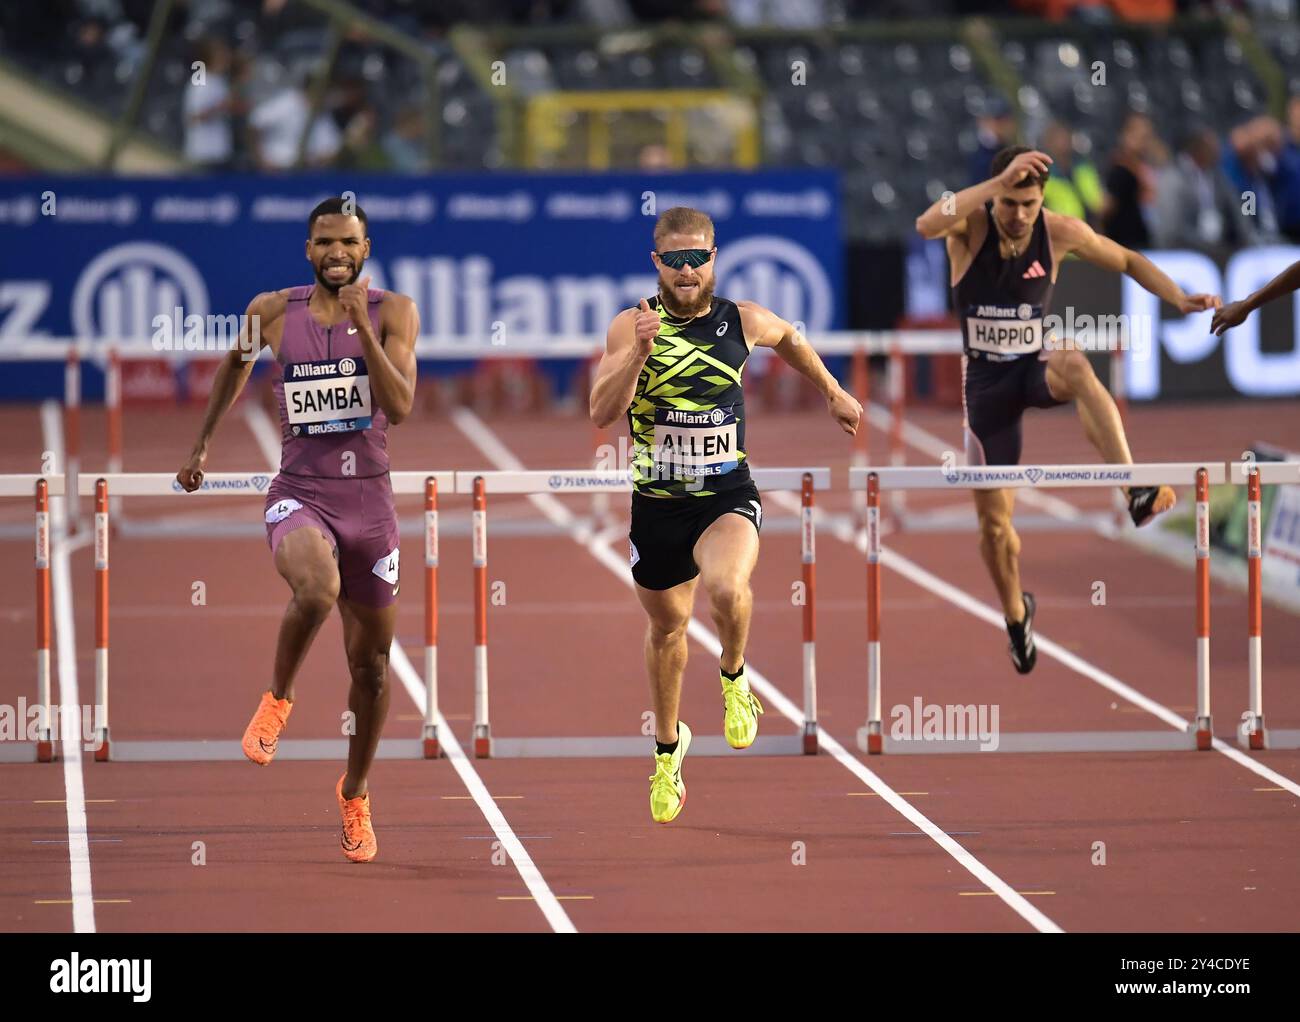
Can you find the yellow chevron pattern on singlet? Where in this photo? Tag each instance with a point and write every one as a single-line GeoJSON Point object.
{"type": "Point", "coordinates": [695, 367]}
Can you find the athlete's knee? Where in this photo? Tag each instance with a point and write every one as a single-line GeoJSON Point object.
{"type": "Point", "coordinates": [1075, 369]}
{"type": "Point", "coordinates": [315, 596]}
{"type": "Point", "coordinates": [728, 594]}
{"type": "Point", "coordinates": [369, 669]}
{"type": "Point", "coordinates": [668, 630]}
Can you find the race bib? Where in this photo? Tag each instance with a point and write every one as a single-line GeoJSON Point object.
{"type": "Point", "coordinates": [388, 566]}
{"type": "Point", "coordinates": [281, 510]}
{"type": "Point", "coordinates": [1004, 329]}
{"type": "Point", "coordinates": [695, 443]}
{"type": "Point", "coordinates": [327, 397]}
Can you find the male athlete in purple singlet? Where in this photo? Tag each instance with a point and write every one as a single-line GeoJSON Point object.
{"type": "Point", "coordinates": [345, 371]}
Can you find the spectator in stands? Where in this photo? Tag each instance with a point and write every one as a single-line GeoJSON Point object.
{"type": "Point", "coordinates": [1074, 189]}
{"type": "Point", "coordinates": [1197, 206]}
{"type": "Point", "coordinates": [277, 125]}
{"type": "Point", "coordinates": [208, 106]}
{"type": "Point", "coordinates": [1286, 184]}
{"type": "Point", "coordinates": [995, 130]}
{"type": "Point", "coordinates": [1251, 162]}
{"type": "Point", "coordinates": [405, 144]}
{"type": "Point", "coordinates": [1131, 184]}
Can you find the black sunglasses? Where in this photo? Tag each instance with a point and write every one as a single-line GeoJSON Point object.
{"type": "Point", "coordinates": [683, 256]}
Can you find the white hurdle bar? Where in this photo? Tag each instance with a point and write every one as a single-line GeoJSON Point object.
{"type": "Point", "coordinates": [486, 745]}
{"type": "Point", "coordinates": [871, 737]}
{"type": "Point", "coordinates": [236, 484]}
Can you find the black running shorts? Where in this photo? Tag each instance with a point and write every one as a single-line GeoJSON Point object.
{"type": "Point", "coordinates": [665, 530]}
{"type": "Point", "coordinates": [995, 396]}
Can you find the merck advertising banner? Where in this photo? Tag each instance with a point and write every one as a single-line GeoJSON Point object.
{"type": "Point", "coordinates": [539, 256]}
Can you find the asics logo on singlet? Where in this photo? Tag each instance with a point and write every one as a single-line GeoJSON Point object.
{"type": "Point", "coordinates": [722, 329]}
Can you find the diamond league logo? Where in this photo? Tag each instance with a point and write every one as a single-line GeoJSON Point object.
{"type": "Point", "coordinates": [125, 287]}
{"type": "Point", "coordinates": [780, 274]}
{"type": "Point", "coordinates": [1033, 475]}
{"type": "Point", "coordinates": [260, 483]}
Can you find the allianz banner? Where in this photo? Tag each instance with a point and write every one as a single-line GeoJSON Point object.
{"type": "Point", "coordinates": [1176, 356]}
{"type": "Point", "coordinates": [553, 256]}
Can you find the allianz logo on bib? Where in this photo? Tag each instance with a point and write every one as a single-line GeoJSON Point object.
{"type": "Point", "coordinates": [312, 370]}
{"type": "Point", "coordinates": [73, 975]}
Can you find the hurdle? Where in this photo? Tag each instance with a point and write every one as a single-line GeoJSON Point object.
{"type": "Point", "coordinates": [487, 745]}
{"type": "Point", "coordinates": [251, 484]}
{"type": "Point", "coordinates": [43, 749]}
{"type": "Point", "coordinates": [873, 740]}
{"type": "Point", "coordinates": [1253, 734]}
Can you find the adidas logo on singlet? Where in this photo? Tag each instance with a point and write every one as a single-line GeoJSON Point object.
{"type": "Point", "coordinates": [1035, 270]}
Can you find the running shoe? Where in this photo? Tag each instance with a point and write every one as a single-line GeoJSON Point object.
{"type": "Point", "coordinates": [740, 711]}
{"type": "Point", "coordinates": [1024, 654]}
{"type": "Point", "coordinates": [667, 789]}
{"type": "Point", "coordinates": [1145, 502]}
{"type": "Point", "coordinates": [262, 736]}
{"type": "Point", "coordinates": [358, 839]}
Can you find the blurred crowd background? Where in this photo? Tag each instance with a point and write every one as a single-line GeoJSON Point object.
{"type": "Point", "coordinates": [1160, 115]}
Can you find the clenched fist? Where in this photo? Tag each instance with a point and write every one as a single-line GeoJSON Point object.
{"type": "Point", "coordinates": [354, 299]}
{"type": "Point", "coordinates": [647, 328]}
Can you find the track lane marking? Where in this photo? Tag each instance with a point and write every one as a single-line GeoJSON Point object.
{"type": "Point", "coordinates": [268, 439]}
{"type": "Point", "coordinates": [495, 450]}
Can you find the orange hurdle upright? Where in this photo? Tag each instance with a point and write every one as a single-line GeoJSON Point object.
{"type": "Point", "coordinates": [432, 749]}
{"type": "Point", "coordinates": [44, 732]}
{"type": "Point", "coordinates": [482, 728]}
{"type": "Point", "coordinates": [808, 550]}
{"type": "Point", "coordinates": [1204, 725]}
{"type": "Point", "coordinates": [1255, 735]}
{"type": "Point", "coordinates": [101, 621]}
{"type": "Point", "coordinates": [875, 732]}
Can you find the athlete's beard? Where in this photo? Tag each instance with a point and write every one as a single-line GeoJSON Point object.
{"type": "Point", "coordinates": [329, 285]}
{"type": "Point", "coordinates": [696, 308]}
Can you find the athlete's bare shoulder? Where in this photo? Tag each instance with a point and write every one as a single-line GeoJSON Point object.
{"type": "Point", "coordinates": [269, 305]}
{"type": "Point", "coordinates": [1067, 232]}
{"type": "Point", "coordinates": [762, 326]}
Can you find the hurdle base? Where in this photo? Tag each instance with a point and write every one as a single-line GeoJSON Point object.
{"type": "Point", "coordinates": [1049, 741]}
{"type": "Point", "coordinates": [45, 751]}
{"type": "Point", "coordinates": [483, 743]}
{"type": "Point", "coordinates": [432, 747]}
{"type": "Point", "coordinates": [103, 747]}
{"type": "Point", "coordinates": [810, 738]}
{"type": "Point", "coordinates": [1204, 734]}
{"type": "Point", "coordinates": [637, 747]}
{"type": "Point", "coordinates": [1252, 734]}
{"type": "Point", "coordinates": [871, 739]}
{"type": "Point", "coordinates": [223, 751]}
{"type": "Point", "coordinates": [23, 752]}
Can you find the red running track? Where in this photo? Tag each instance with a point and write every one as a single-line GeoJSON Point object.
{"type": "Point", "coordinates": [1192, 841]}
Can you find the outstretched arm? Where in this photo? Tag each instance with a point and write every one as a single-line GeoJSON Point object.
{"type": "Point", "coordinates": [232, 373]}
{"type": "Point", "coordinates": [768, 330]}
{"type": "Point", "coordinates": [1235, 312]}
{"type": "Point", "coordinates": [1071, 235]}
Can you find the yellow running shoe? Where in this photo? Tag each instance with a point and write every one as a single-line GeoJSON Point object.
{"type": "Point", "coordinates": [667, 789]}
{"type": "Point", "coordinates": [740, 711]}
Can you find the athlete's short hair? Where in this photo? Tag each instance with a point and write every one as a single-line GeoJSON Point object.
{"type": "Point", "coordinates": [683, 220]}
{"type": "Point", "coordinates": [1003, 160]}
{"type": "Point", "coordinates": [335, 205]}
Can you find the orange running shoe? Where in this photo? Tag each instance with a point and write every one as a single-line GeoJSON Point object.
{"type": "Point", "coordinates": [358, 839]}
{"type": "Point", "coordinates": [263, 733]}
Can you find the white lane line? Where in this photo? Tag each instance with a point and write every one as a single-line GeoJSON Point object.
{"type": "Point", "coordinates": [268, 439]}
{"type": "Point", "coordinates": [841, 527]}
{"type": "Point", "coordinates": [502, 457]}
{"type": "Point", "coordinates": [69, 709]}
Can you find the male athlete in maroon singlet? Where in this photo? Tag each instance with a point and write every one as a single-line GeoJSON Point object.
{"type": "Point", "coordinates": [1005, 251]}
{"type": "Point", "coordinates": [345, 371]}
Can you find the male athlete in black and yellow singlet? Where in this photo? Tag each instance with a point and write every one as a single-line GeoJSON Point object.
{"type": "Point", "coordinates": [1005, 251]}
{"type": "Point", "coordinates": [674, 367]}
